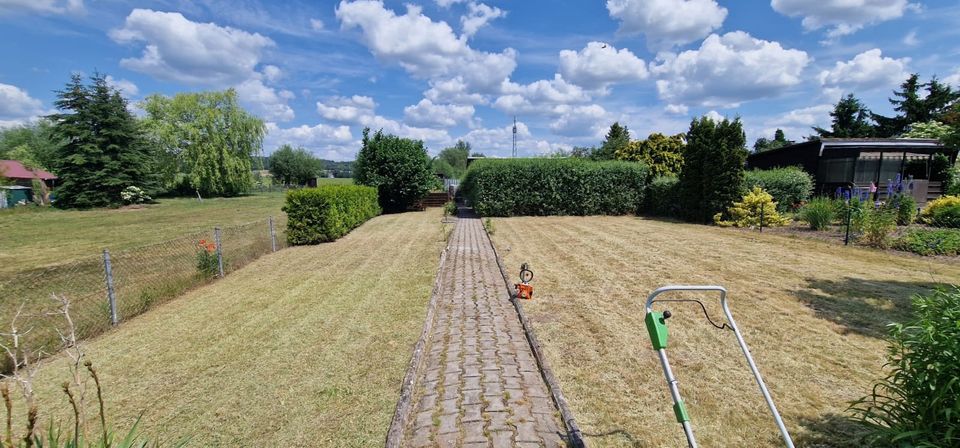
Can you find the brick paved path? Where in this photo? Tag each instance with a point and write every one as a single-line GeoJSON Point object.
{"type": "Point", "coordinates": [481, 385]}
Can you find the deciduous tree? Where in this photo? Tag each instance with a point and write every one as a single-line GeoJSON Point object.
{"type": "Point", "coordinates": [664, 155]}
{"type": "Point", "coordinates": [398, 167]}
{"type": "Point", "coordinates": [294, 166]}
{"type": "Point", "coordinates": [207, 141]}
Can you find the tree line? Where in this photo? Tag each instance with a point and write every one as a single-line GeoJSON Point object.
{"type": "Point", "coordinates": [923, 110]}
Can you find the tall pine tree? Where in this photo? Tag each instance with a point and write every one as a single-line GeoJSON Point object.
{"type": "Point", "coordinates": [103, 151]}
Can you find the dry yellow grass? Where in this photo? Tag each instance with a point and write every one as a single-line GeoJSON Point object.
{"type": "Point", "coordinates": [813, 313]}
{"type": "Point", "coordinates": [305, 347]}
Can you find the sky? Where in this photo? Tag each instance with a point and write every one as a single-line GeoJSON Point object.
{"type": "Point", "coordinates": [319, 72]}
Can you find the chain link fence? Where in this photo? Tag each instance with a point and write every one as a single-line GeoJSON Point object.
{"type": "Point", "coordinates": [105, 289]}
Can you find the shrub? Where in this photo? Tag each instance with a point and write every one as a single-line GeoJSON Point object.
{"type": "Point", "coordinates": [906, 209]}
{"type": "Point", "coordinates": [916, 404]}
{"type": "Point", "coordinates": [789, 186]}
{"type": "Point", "coordinates": [399, 168]}
{"type": "Point", "coordinates": [134, 195]}
{"type": "Point", "coordinates": [488, 226]}
{"type": "Point", "coordinates": [756, 209]}
{"type": "Point", "coordinates": [876, 225]}
{"type": "Point", "coordinates": [930, 242]}
{"type": "Point", "coordinates": [450, 208]}
{"type": "Point", "coordinates": [316, 215]}
{"type": "Point", "coordinates": [663, 196]}
{"type": "Point", "coordinates": [541, 187]}
{"type": "Point", "coordinates": [712, 176]}
{"type": "Point", "coordinates": [942, 212]}
{"type": "Point", "coordinates": [819, 213]}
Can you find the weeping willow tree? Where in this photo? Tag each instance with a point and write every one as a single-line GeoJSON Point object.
{"type": "Point", "coordinates": [206, 139]}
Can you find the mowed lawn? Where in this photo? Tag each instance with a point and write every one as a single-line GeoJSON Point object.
{"type": "Point", "coordinates": [814, 315]}
{"type": "Point", "coordinates": [304, 347]}
{"type": "Point", "coordinates": [35, 238]}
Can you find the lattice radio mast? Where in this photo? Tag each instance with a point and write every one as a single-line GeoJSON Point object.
{"type": "Point", "coordinates": [514, 136]}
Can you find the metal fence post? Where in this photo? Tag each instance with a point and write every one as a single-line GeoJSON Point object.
{"type": "Point", "coordinates": [846, 238]}
{"type": "Point", "coordinates": [216, 238]}
{"type": "Point", "coordinates": [273, 236]}
{"type": "Point", "coordinates": [761, 217]}
{"type": "Point", "coordinates": [111, 294]}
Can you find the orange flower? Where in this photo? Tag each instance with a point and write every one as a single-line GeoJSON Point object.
{"type": "Point", "coordinates": [207, 246]}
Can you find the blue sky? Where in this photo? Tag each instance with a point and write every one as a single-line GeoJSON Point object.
{"type": "Point", "coordinates": [441, 70]}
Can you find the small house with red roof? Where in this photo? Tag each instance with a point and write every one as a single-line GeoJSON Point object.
{"type": "Point", "coordinates": [19, 180]}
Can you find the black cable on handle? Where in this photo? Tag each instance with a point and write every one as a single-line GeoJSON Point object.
{"type": "Point", "coordinates": [703, 307]}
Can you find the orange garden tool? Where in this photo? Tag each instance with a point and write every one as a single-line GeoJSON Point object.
{"type": "Point", "coordinates": [524, 288]}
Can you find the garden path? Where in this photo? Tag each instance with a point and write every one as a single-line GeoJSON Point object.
{"type": "Point", "coordinates": [481, 385]}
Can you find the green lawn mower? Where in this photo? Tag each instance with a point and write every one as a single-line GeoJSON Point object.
{"type": "Point", "coordinates": [657, 327]}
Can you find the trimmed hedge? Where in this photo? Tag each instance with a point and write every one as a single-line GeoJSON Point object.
{"type": "Point", "coordinates": [789, 186]}
{"type": "Point", "coordinates": [663, 197]}
{"type": "Point", "coordinates": [542, 187]}
{"type": "Point", "coordinates": [316, 215]}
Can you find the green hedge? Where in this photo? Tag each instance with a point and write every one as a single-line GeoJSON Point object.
{"type": "Point", "coordinates": [663, 197]}
{"type": "Point", "coordinates": [316, 215]}
{"type": "Point", "coordinates": [541, 187]}
{"type": "Point", "coordinates": [789, 186]}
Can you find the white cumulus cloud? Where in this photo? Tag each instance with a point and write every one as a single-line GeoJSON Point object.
{"type": "Point", "coordinates": [177, 49]}
{"type": "Point", "coordinates": [127, 88]}
{"type": "Point", "coordinates": [360, 111]}
{"type": "Point", "coordinates": [666, 23]}
{"type": "Point", "coordinates": [205, 54]}
{"type": "Point", "coordinates": [866, 71]}
{"type": "Point", "coordinates": [599, 65]}
{"type": "Point", "coordinates": [424, 48]}
{"type": "Point", "coordinates": [577, 121]}
{"type": "Point", "coordinates": [953, 79]}
{"type": "Point", "coordinates": [478, 15]}
{"type": "Point", "coordinates": [346, 109]}
{"type": "Point", "coordinates": [427, 114]}
{"type": "Point", "coordinates": [265, 101]}
{"type": "Point", "coordinates": [728, 70]}
{"type": "Point", "coordinates": [538, 96]}
{"type": "Point", "coordinates": [17, 106]}
{"type": "Point", "coordinates": [842, 17]}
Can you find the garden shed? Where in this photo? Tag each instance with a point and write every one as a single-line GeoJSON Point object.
{"type": "Point", "coordinates": [22, 180]}
{"type": "Point", "coordinates": [858, 162]}
{"type": "Point", "coordinates": [11, 195]}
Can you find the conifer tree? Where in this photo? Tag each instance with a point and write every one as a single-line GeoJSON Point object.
{"type": "Point", "coordinates": [103, 151]}
{"type": "Point", "coordinates": [618, 137]}
{"type": "Point", "coordinates": [713, 160]}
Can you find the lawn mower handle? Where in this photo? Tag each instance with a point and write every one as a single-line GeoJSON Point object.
{"type": "Point", "coordinates": [740, 341]}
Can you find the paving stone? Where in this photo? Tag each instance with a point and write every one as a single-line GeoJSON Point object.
{"type": "Point", "coordinates": [481, 386]}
